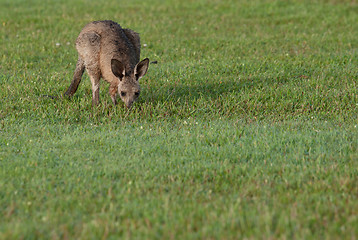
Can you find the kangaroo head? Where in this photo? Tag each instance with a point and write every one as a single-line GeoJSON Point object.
{"type": "Point", "coordinates": [128, 87]}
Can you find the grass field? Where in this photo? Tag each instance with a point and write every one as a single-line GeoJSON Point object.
{"type": "Point", "coordinates": [247, 128]}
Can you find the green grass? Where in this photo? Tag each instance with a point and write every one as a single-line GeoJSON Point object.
{"type": "Point", "coordinates": [247, 128]}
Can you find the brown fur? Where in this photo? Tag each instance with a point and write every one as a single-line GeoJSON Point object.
{"type": "Point", "coordinates": [107, 51]}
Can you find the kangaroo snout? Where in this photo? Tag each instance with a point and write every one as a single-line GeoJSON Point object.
{"type": "Point", "coordinates": [129, 104]}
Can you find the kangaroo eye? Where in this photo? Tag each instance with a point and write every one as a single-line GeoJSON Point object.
{"type": "Point", "coordinates": [136, 93]}
{"type": "Point", "coordinates": [123, 94]}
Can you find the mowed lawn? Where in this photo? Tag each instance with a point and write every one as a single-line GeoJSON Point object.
{"type": "Point", "coordinates": [246, 128]}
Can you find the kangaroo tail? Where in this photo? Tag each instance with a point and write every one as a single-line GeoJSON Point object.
{"type": "Point", "coordinates": [80, 68]}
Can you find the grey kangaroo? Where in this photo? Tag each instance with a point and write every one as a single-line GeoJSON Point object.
{"type": "Point", "coordinates": [110, 52]}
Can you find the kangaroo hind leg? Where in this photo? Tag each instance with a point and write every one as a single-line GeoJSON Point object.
{"type": "Point", "coordinates": [95, 80]}
{"type": "Point", "coordinates": [88, 48]}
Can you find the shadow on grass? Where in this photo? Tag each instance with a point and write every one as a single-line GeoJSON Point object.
{"type": "Point", "coordinates": [176, 92]}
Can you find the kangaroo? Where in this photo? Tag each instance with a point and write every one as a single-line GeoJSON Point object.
{"type": "Point", "coordinates": [108, 51]}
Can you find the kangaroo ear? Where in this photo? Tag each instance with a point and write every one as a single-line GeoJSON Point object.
{"type": "Point", "coordinates": [141, 68]}
{"type": "Point", "coordinates": [118, 68]}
